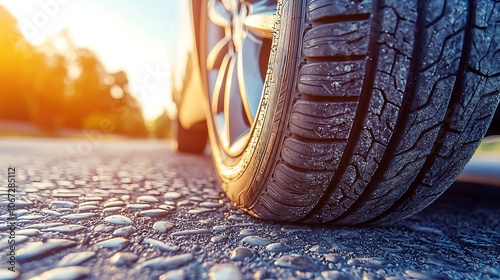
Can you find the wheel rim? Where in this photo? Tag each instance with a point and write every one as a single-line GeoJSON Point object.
{"type": "Point", "coordinates": [236, 67]}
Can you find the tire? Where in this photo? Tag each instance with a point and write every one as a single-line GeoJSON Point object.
{"type": "Point", "coordinates": [369, 109]}
{"type": "Point", "coordinates": [191, 140]}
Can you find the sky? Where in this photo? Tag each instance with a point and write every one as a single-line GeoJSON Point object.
{"type": "Point", "coordinates": [131, 35]}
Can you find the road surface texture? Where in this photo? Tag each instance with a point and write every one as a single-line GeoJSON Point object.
{"type": "Point", "coordinates": [88, 209]}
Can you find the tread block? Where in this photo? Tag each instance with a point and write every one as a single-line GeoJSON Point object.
{"type": "Point", "coordinates": [322, 120]}
{"type": "Point", "coordinates": [325, 9]}
{"type": "Point", "coordinates": [467, 116]}
{"type": "Point", "coordinates": [443, 40]}
{"type": "Point", "coordinates": [299, 188]}
{"type": "Point", "coordinates": [292, 193]}
{"type": "Point", "coordinates": [379, 122]}
{"type": "Point", "coordinates": [377, 146]}
{"type": "Point", "coordinates": [331, 79]}
{"type": "Point", "coordinates": [340, 39]}
{"type": "Point", "coordinates": [450, 160]}
{"type": "Point", "coordinates": [312, 156]}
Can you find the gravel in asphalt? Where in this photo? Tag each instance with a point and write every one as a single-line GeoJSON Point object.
{"type": "Point", "coordinates": [137, 210]}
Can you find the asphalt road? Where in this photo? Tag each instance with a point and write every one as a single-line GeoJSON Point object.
{"type": "Point", "coordinates": [136, 210]}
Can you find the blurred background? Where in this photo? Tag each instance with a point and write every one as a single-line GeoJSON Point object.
{"type": "Point", "coordinates": [73, 66]}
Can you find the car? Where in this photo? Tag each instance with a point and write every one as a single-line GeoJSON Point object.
{"type": "Point", "coordinates": [335, 111]}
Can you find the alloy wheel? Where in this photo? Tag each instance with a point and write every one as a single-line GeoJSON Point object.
{"type": "Point", "coordinates": [237, 66]}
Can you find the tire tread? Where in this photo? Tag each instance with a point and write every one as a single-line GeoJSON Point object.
{"type": "Point", "coordinates": [394, 98]}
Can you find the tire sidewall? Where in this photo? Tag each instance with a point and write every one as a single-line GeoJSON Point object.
{"type": "Point", "coordinates": [243, 177]}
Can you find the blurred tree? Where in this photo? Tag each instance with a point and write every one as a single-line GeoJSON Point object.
{"type": "Point", "coordinates": [162, 126]}
{"type": "Point", "coordinates": [47, 101]}
{"type": "Point", "coordinates": [126, 107]}
{"type": "Point", "coordinates": [15, 53]}
{"type": "Point", "coordinates": [90, 95]}
{"type": "Point", "coordinates": [62, 88]}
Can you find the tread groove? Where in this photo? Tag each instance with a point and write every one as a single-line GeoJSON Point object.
{"type": "Point", "coordinates": [342, 18]}
{"type": "Point", "coordinates": [456, 93]}
{"type": "Point", "coordinates": [366, 93]}
{"type": "Point", "coordinates": [337, 58]}
{"type": "Point", "coordinates": [340, 99]}
{"type": "Point", "coordinates": [384, 110]}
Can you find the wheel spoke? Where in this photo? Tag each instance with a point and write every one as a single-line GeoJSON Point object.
{"type": "Point", "coordinates": [233, 106]}
{"type": "Point", "coordinates": [261, 24]}
{"type": "Point", "coordinates": [218, 14]}
{"type": "Point", "coordinates": [235, 66]}
{"type": "Point", "coordinates": [249, 77]}
{"type": "Point", "coordinates": [217, 97]}
{"type": "Point", "coordinates": [259, 6]}
{"type": "Point", "coordinates": [238, 32]}
{"type": "Point", "coordinates": [230, 4]}
{"type": "Point", "coordinates": [218, 53]}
